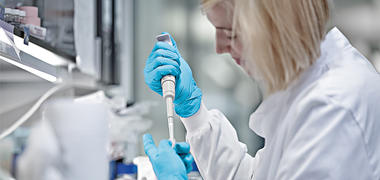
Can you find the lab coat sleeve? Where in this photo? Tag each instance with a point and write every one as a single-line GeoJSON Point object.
{"type": "Point", "coordinates": [327, 143]}
{"type": "Point", "coordinates": [215, 146]}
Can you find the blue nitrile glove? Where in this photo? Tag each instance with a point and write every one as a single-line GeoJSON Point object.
{"type": "Point", "coordinates": [183, 150]}
{"type": "Point", "coordinates": [167, 164]}
{"type": "Point", "coordinates": [166, 60]}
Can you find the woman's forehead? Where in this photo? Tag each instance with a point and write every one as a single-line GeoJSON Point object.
{"type": "Point", "coordinates": [220, 17]}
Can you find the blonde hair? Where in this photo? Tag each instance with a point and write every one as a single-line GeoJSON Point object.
{"type": "Point", "coordinates": [280, 38]}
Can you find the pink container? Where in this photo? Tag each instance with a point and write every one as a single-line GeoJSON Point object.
{"type": "Point", "coordinates": [30, 11]}
{"type": "Point", "coordinates": [31, 20]}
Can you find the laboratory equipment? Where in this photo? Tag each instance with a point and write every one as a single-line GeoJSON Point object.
{"type": "Point", "coordinates": [49, 94]}
{"type": "Point", "coordinates": [9, 15]}
{"type": "Point", "coordinates": [166, 60]}
{"type": "Point", "coordinates": [122, 171]}
{"type": "Point", "coordinates": [168, 92]}
{"type": "Point", "coordinates": [30, 15]}
{"type": "Point", "coordinates": [70, 142]}
{"type": "Point", "coordinates": [144, 168]}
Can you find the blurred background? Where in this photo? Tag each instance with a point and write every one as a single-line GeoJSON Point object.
{"type": "Point", "coordinates": [110, 40]}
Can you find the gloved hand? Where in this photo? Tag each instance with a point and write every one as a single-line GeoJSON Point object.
{"type": "Point", "coordinates": [183, 150]}
{"type": "Point", "coordinates": [167, 165]}
{"type": "Point", "coordinates": [166, 60]}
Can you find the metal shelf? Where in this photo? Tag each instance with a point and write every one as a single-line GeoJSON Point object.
{"type": "Point", "coordinates": [36, 57]}
{"type": "Point", "coordinates": [20, 33]}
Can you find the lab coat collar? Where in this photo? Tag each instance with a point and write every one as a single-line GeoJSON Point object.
{"type": "Point", "coordinates": [264, 121]}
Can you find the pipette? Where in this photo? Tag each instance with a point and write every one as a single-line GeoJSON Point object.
{"type": "Point", "coordinates": [168, 92]}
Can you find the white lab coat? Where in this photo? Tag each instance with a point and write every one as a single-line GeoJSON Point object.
{"type": "Point", "coordinates": [326, 125]}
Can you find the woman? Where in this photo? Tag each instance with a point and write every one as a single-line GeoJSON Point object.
{"type": "Point", "coordinates": [320, 117]}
